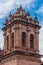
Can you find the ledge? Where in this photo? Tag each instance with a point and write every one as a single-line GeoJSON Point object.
{"type": "Point", "coordinates": [19, 53]}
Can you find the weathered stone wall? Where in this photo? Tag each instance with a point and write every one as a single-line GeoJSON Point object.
{"type": "Point", "coordinates": [21, 60]}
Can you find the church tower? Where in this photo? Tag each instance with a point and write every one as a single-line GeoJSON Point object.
{"type": "Point", "coordinates": [21, 39]}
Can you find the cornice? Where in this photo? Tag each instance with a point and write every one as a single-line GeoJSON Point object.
{"type": "Point", "coordinates": [23, 23]}
{"type": "Point", "coordinates": [19, 53]}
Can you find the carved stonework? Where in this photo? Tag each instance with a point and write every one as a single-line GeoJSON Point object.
{"type": "Point", "coordinates": [21, 45]}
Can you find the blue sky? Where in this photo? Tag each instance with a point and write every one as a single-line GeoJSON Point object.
{"type": "Point", "coordinates": [34, 7]}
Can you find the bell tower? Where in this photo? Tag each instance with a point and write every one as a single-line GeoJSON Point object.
{"type": "Point", "coordinates": [21, 38]}
{"type": "Point", "coordinates": [21, 32]}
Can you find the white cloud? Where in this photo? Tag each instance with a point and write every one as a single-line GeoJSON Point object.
{"type": "Point", "coordinates": [41, 40]}
{"type": "Point", "coordinates": [42, 59]}
{"type": "Point", "coordinates": [40, 10]}
{"type": "Point", "coordinates": [7, 5]}
{"type": "Point", "coordinates": [1, 39]}
{"type": "Point", "coordinates": [5, 8]}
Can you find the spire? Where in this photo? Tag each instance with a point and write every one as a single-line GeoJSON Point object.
{"type": "Point", "coordinates": [20, 2]}
{"type": "Point", "coordinates": [28, 13]}
{"type": "Point", "coordinates": [10, 14]}
{"type": "Point", "coordinates": [36, 20]}
{"type": "Point", "coordinates": [6, 19]}
{"type": "Point", "coordinates": [28, 16]}
{"type": "Point", "coordinates": [20, 6]}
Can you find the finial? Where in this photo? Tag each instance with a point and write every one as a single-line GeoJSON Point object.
{"type": "Point", "coordinates": [10, 14]}
{"type": "Point", "coordinates": [36, 20]}
{"type": "Point", "coordinates": [20, 4]}
{"type": "Point", "coordinates": [6, 19]}
{"type": "Point", "coordinates": [35, 17]}
{"type": "Point", "coordinates": [28, 13]}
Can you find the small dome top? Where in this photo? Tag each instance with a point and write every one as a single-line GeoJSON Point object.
{"type": "Point", "coordinates": [20, 14]}
{"type": "Point", "coordinates": [29, 18]}
{"type": "Point", "coordinates": [28, 13]}
{"type": "Point", "coordinates": [36, 20]}
{"type": "Point", "coordinates": [6, 21]}
{"type": "Point", "coordinates": [20, 8]}
{"type": "Point", "coordinates": [10, 14]}
{"type": "Point", "coordinates": [10, 17]}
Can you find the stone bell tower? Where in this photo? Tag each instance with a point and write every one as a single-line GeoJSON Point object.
{"type": "Point", "coordinates": [21, 39]}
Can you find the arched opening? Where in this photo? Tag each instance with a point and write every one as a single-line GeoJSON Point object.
{"type": "Point", "coordinates": [31, 41]}
{"type": "Point", "coordinates": [7, 42]}
{"type": "Point", "coordinates": [12, 40]}
{"type": "Point", "coordinates": [24, 39]}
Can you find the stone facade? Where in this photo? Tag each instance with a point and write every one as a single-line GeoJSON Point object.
{"type": "Point", "coordinates": [21, 40]}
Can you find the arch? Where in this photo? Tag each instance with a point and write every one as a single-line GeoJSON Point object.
{"type": "Point", "coordinates": [31, 41]}
{"type": "Point", "coordinates": [23, 39]}
{"type": "Point", "coordinates": [12, 40]}
{"type": "Point", "coordinates": [7, 42]}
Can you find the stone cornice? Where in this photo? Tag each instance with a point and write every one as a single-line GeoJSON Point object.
{"type": "Point", "coordinates": [21, 22]}
{"type": "Point", "coordinates": [19, 53]}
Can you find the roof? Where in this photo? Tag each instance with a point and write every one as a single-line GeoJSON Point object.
{"type": "Point", "coordinates": [21, 16]}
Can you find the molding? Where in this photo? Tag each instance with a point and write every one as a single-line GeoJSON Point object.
{"type": "Point", "coordinates": [23, 23]}
{"type": "Point", "coordinates": [19, 53]}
